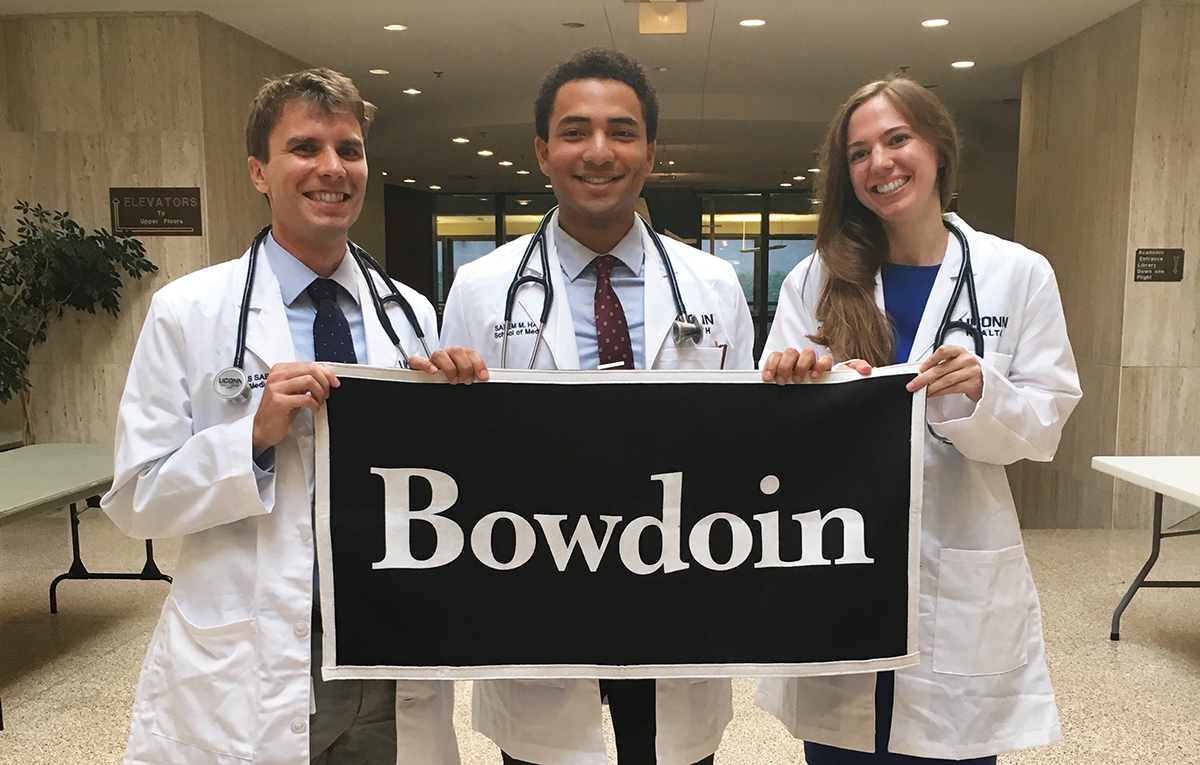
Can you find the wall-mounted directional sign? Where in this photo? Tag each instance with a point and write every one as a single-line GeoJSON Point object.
{"type": "Point", "coordinates": [156, 211]}
{"type": "Point", "coordinates": [1158, 265]}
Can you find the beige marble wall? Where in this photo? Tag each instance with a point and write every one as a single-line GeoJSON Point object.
{"type": "Point", "coordinates": [1160, 381]}
{"type": "Point", "coordinates": [91, 102]}
{"type": "Point", "coordinates": [233, 66]}
{"type": "Point", "coordinates": [1108, 163]}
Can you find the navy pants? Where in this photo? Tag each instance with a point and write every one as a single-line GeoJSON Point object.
{"type": "Point", "coordinates": [885, 684]}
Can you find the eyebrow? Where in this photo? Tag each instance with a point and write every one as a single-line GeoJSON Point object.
{"type": "Point", "coordinates": [576, 119]}
{"type": "Point", "coordinates": [886, 133]}
{"type": "Point", "coordinates": [295, 141]}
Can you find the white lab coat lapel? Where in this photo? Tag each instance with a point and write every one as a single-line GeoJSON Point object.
{"type": "Point", "coordinates": [559, 334]}
{"type": "Point", "coordinates": [267, 334]}
{"type": "Point", "coordinates": [381, 352]}
{"type": "Point", "coordinates": [939, 296]}
{"type": "Point", "coordinates": [659, 304]}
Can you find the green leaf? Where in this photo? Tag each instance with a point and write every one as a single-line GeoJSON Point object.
{"type": "Point", "coordinates": [52, 264]}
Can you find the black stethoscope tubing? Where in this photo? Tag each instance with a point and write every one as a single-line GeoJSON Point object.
{"type": "Point", "coordinates": [231, 384]}
{"type": "Point", "coordinates": [965, 276]}
{"type": "Point", "coordinates": [686, 326]}
{"type": "Point", "coordinates": [973, 328]}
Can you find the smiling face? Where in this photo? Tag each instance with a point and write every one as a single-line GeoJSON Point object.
{"type": "Point", "coordinates": [597, 156]}
{"type": "Point", "coordinates": [894, 171]}
{"type": "Point", "coordinates": [315, 179]}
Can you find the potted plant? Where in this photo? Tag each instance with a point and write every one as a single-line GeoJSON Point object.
{"type": "Point", "coordinates": [54, 263]}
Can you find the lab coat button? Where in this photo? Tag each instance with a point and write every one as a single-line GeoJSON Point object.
{"type": "Point", "coordinates": [305, 534]}
{"type": "Point", "coordinates": [301, 629]}
{"type": "Point", "coordinates": [299, 726]}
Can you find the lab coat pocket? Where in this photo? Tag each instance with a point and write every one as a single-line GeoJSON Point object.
{"type": "Point", "coordinates": [691, 356]}
{"type": "Point", "coordinates": [208, 684]}
{"type": "Point", "coordinates": [981, 625]}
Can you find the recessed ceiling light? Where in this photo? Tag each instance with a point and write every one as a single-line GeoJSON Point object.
{"type": "Point", "coordinates": [435, 187]}
{"type": "Point", "coordinates": [385, 172]}
{"type": "Point", "coordinates": [814, 169]}
{"type": "Point", "coordinates": [752, 22]}
{"type": "Point", "coordinates": [785, 184]}
{"type": "Point", "coordinates": [573, 24]}
{"type": "Point", "coordinates": [662, 68]}
{"type": "Point", "coordinates": [505, 163]}
{"type": "Point", "coordinates": [934, 23]}
{"type": "Point", "coordinates": [797, 177]}
{"type": "Point", "coordinates": [412, 91]}
{"type": "Point", "coordinates": [410, 180]}
{"type": "Point", "coordinates": [484, 153]}
{"type": "Point", "coordinates": [522, 201]}
{"type": "Point", "coordinates": [549, 185]}
{"type": "Point", "coordinates": [963, 64]}
{"type": "Point", "coordinates": [522, 172]}
{"type": "Point", "coordinates": [670, 161]}
{"type": "Point", "coordinates": [461, 139]}
{"type": "Point", "coordinates": [395, 27]}
{"type": "Point", "coordinates": [379, 71]}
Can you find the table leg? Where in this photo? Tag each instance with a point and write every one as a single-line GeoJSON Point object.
{"type": "Point", "coordinates": [1155, 545]}
{"type": "Point", "coordinates": [79, 571]}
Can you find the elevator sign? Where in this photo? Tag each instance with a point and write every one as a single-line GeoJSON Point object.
{"type": "Point", "coordinates": [156, 211]}
{"type": "Point", "coordinates": [1158, 265]}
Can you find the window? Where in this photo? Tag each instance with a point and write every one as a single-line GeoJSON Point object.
{"type": "Point", "coordinates": [466, 231]}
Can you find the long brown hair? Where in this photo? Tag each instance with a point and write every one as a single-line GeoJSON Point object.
{"type": "Point", "coordinates": [851, 241]}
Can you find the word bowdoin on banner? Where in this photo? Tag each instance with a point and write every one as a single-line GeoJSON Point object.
{"type": "Point", "coordinates": [618, 524]}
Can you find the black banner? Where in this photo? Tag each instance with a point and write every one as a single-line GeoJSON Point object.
{"type": "Point", "coordinates": [618, 524]}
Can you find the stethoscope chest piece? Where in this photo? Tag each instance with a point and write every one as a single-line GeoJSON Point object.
{"type": "Point", "coordinates": [230, 384]}
{"type": "Point", "coordinates": [687, 328]}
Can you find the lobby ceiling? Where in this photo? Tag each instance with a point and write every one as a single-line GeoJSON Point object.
{"type": "Point", "coordinates": [742, 108]}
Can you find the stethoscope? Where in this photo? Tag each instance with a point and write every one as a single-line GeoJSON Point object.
{"type": "Point", "coordinates": [973, 327]}
{"type": "Point", "coordinates": [231, 384]}
{"type": "Point", "coordinates": [686, 327]}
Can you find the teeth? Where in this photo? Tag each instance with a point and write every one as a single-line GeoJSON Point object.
{"type": "Point", "coordinates": [327, 197]}
{"type": "Point", "coordinates": [597, 180]}
{"type": "Point", "coordinates": [885, 188]}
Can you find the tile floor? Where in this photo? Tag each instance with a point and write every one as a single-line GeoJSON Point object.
{"type": "Point", "coordinates": [67, 681]}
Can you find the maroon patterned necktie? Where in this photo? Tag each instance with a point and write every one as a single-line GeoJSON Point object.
{"type": "Point", "coordinates": [612, 333]}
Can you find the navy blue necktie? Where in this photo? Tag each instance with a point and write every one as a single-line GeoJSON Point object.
{"type": "Point", "coordinates": [331, 331]}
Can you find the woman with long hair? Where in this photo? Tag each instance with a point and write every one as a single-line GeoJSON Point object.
{"type": "Point", "coordinates": [875, 293]}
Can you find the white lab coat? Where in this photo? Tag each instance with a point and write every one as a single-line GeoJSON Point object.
{"type": "Point", "coordinates": [981, 687]}
{"type": "Point", "coordinates": [226, 677]}
{"type": "Point", "coordinates": [557, 722]}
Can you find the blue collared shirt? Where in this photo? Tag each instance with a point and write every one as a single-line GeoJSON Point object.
{"type": "Point", "coordinates": [294, 278]}
{"type": "Point", "coordinates": [628, 281]}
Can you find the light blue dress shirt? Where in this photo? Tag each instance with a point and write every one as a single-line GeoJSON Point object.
{"type": "Point", "coordinates": [294, 278]}
{"type": "Point", "coordinates": [628, 281]}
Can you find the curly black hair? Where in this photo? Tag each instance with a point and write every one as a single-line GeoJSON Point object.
{"type": "Point", "coordinates": [597, 64]}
